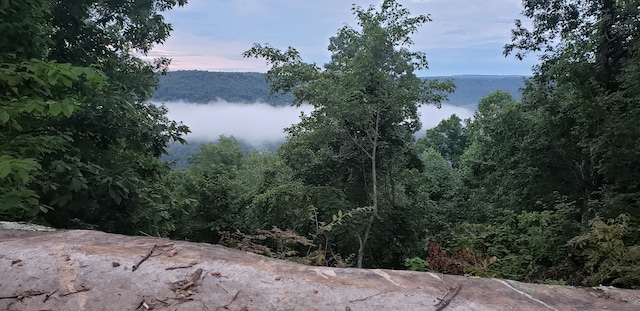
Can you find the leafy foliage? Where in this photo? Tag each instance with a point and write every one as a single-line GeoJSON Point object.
{"type": "Point", "coordinates": [31, 91]}
{"type": "Point", "coordinates": [76, 129]}
{"type": "Point", "coordinates": [416, 264]}
{"type": "Point", "coordinates": [449, 138]}
{"type": "Point", "coordinates": [602, 255]}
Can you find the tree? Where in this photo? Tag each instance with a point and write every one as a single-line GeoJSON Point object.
{"type": "Point", "coordinates": [99, 164]}
{"type": "Point", "coordinates": [449, 138]}
{"type": "Point", "coordinates": [212, 185]}
{"type": "Point", "coordinates": [584, 100]}
{"type": "Point", "coordinates": [365, 102]}
{"type": "Point", "coordinates": [582, 92]}
{"type": "Point", "coordinates": [32, 90]}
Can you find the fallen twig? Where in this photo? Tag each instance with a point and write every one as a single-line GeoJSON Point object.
{"type": "Point", "coordinates": [46, 297]}
{"type": "Point", "coordinates": [83, 289]}
{"type": "Point", "coordinates": [162, 301]}
{"type": "Point", "coordinates": [23, 295]}
{"type": "Point", "coordinates": [445, 287]}
{"type": "Point", "coordinates": [182, 267]}
{"type": "Point", "coordinates": [10, 297]}
{"type": "Point", "coordinates": [145, 234]}
{"type": "Point", "coordinates": [365, 298]}
{"type": "Point", "coordinates": [230, 302]}
{"type": "Point", "coordinates": [444, 302]}
{"type": "Point", "coordinates": [226, 291]}
{"type": "Point", "coordinates": [443, 283]}
{"type": "Point", "coordinates": [136, 266]}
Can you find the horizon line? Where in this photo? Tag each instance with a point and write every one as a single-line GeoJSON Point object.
{"type": "Point", "coordinates": [427, 76]}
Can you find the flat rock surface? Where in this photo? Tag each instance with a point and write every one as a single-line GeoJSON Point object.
{"type": "Point", "coordinates": [91, 270]}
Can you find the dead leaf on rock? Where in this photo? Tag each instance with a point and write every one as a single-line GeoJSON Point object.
{"type": "Point", "coordinates": [186, 287]}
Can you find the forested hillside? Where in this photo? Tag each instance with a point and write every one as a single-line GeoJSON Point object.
{"type": "Point", "coordinates": [196, 86]}
{"type": "Point", "coordinates": [471, 88]}
{"type": "Point", "coordinates": [542, 188]}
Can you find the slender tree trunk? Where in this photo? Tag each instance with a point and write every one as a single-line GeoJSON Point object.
{"type": "Point", "coordinates": [363, 241]}
{"type": "Point", "coordinates": [374, 186]}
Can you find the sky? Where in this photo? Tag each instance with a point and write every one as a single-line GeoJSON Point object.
{"type": "Point", "coordinates": [464, 36]}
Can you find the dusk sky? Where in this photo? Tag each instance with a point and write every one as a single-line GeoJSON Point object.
{"type": "Point", "coordinates": [465, 36]}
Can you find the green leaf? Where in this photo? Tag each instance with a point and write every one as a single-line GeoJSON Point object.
{"type": "Point", "coordinates": [66, 81]}
{"type": "Point", "coordinates": [67, 109]}
{"type": "Point", "coordinates": [53, 77]}
{"type": "Point", "coordinates": [78, 70]}
{"type": "Point", "coordinates": [24, 175]}
{"type": "Point", "coordinates": [4, 117]}
{"type": "Point", "coordinates": [5, 168]}
{"type": "Point", "coordinates": [55, 108]}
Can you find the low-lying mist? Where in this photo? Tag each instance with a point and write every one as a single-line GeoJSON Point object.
{"type": "Point", "coordinates": [259, 124]}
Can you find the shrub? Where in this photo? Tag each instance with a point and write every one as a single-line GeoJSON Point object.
{"type": "Point", "coordinates": [603, 257]}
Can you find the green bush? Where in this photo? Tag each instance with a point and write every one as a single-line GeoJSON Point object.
{"type": "Point", "coordinates": [526, 244]}
{"type": "Point", "coordinates": [416, 264]}
{"type": "Point", "coordinates": [603, 256]}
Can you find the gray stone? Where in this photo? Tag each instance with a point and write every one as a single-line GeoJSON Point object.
{"type": "Point", "coordinates": [75, 270]}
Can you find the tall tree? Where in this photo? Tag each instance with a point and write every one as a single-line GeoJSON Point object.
{"type": "Point", "coordinates": [102, 170]}
{"type": "Point", "coordinates": [585, 101]}
{"type": "Point", "coordinates": [581, 91]}
{"type": "Point", "coordinates": [32, 90]}
{"type": "Point", "coordinates": [365, 103]}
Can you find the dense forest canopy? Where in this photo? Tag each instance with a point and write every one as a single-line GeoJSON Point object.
{"type": "Point", "coordinates": [539, 188]}
{"type": "Point", "coordinates": [194, 86]}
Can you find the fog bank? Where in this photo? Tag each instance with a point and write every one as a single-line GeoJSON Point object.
{"type": "Point", "coordinates": [260, 123]}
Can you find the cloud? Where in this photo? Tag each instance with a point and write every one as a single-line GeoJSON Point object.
{"type": "Point", "coordinates": [212, 35]}
{"type": "Point", "coordinates": [254, 123]}
{"type": "Point", "coordinates": [260, 124]}
{"type": "Point", "coordinates": [430, 116]}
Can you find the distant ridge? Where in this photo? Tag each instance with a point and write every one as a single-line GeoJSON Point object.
{"type": "Point", "coordinates": [203, 87]}
{"type": "Point", "coordinates": [471, 88]}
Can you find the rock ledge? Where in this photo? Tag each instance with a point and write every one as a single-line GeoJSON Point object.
{"type": "Point", "coordinates": [90, 270]}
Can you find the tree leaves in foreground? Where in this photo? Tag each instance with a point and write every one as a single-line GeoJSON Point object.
{"type": "Point", "coordinates": [89, 148]}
